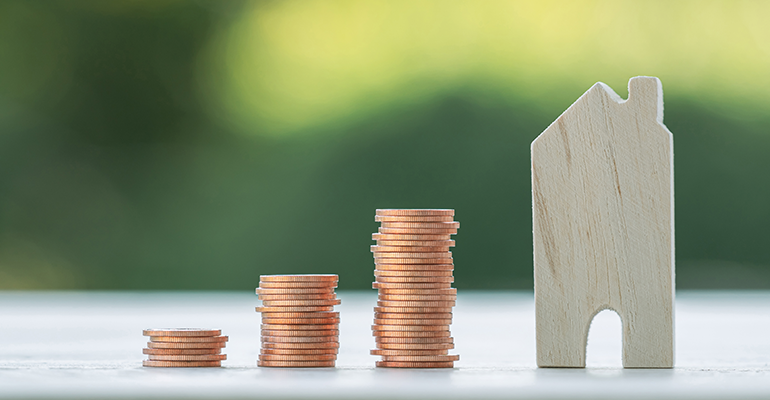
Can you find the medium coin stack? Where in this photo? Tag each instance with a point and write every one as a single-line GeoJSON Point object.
{"type": "Point", "coordinates": [299, 325]}
{"type": "Point", "coordinates": [184, 347]}
{"type": "Point", "coordinates": [413, 273]}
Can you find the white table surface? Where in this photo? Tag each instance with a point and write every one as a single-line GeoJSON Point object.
{"type": "Point", "coordinates": [89, 345]}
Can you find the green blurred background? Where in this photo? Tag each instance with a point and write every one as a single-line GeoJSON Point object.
{"type": "Point", "coordinates": [199, 144]}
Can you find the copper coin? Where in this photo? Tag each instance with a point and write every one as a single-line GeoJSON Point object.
{"type": "Point", "coordinates": [414, 340]}
{"type": "Point", "coordinates": [411, 328]}
{"type": "Point", "coordinates": [413, 218]}
{"type": "Point", "coordinates": [410, 334]}
{"type": "Point", "coordinates": [380, 352]}
{"type": "Point", "coordinates": [416, 231]}
{"type": "Point", "coordinates": [418, 291]}
{"type": "Point", "coordinates": [421, 225]}
{"type": "Point", "coordinates": [415, 243]}
{"type": "Point", "coordinates": [418, 297]}
{"type": "Point", "coordinates": [181, 351]}
{"type": "Point", "coordinates": [411, 285]}
{"type": "Point", "coordinates": [378, 272]}
{"type": "Point", "coordinates": [295, 291]}
{"type": "Point", "coordinates": [181, 332]}
{"type": "Point", "coordinates": [414, 264]}
{"type": "Point", "coordinates": [296, 364]}
{"type": "Point", "coordinates": [408, 249]}
{"type": "Point", "coordinates": [441, 254]}
{"type": "Point", "coordinates": [413, 322]}
{"type": "Point", "coordinates": [316, 315]}
{"type": "Point", "coordinates": [202, 345]}
{"type": "Point", "coordinates": [178, 357]}
{"type": "Point", "coordinates": [448, 357]}
{"type": "Point", "coordinates": [417, 310]}
{"type": "Point", "coordinates": [294, 309]}
{"type": "Point", "coordinates": [297, 285]}
{"type": "Point", "coordinates": [278, 327]}
{"type": "Point", "coordinates": [425, 277]}
{"type": "Point", "coordinates": [414, 303]}
{"type": "Point", "coordinates": [299, 339]}
{"type": "Point", "coordinates": [441, 285]}
{"type": "Point", "coordinates": [298, 346]}
{"type": "Point", "coordinates": [413, 316]}
{"type": "Point", "coordinates": [300, 321]}
{"type": "Point", "coordinates": [422, 238]}
{"type": "Point", "coordinates": [298, 352]}
{"type": "Point", "coordinates": [394, 268]}
{"type": "Point", "coordinates": [391, 364]}
{"type": "Point", "coordinates": [181, 364]}
{"type": "Point", "coordinates": [415, 279]}
{"type": "Point", "coordinates": [188, 339]}
{"type": "Point", "coordinates": [300, 333]}
{"type": "Point", "coordinates": [416, 346]}
{"type": "Point", "coordinates": [300, 303]}
{"type": "Point", "coordinates": [414, 211]}
{"type": "Point", "coordinates": [415, 297]}
{"type": "Point", "coordinates": [413, 261]}
{"type": "Point", "coordinates": [318, 296]}
{"type": "Point", "coordinates": [299, 278]}
{"type": "Point", "coordinates": [302, 357]}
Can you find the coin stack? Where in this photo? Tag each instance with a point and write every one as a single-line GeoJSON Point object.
{"type": "Point", "coordinates": [299, 325]}
{"type": "Point", "coordinates": [184, 347]}
{"type": "Point", "coordinates": [413, 273]}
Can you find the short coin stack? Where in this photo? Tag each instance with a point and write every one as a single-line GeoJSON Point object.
{"type": "Point", "coordinates": [299, 325]}
{"type": "Point", "coordinates": [184, 347]}
{"type": "Point", "coordinates": [414, 276]}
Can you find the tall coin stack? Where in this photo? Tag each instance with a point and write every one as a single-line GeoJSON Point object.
{"type": "Point", "coordinates": [184, 347]}
{"type": "Point", "coordinates": [299, 325]}
{"type": "Point", "coordinates": [413, 273]}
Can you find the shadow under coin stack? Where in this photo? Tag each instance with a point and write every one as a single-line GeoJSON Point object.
{"type": "Point", "coordinates": [413, 273]}
{"type": "Point", "coordinates": [184, 347]}
{"type": "Point", "coordinates": [299, 326]}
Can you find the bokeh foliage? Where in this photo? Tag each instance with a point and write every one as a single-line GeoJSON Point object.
{"type": "Point", "coordinates": [196, 145]}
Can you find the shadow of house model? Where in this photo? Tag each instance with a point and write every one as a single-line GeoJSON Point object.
{"type": "Point", "coordinates": [603, 226]}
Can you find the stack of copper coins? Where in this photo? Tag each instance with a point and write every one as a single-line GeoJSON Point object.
{"type": "Point", "coordinates": [184, 347]}
{"type": "Point", "coordinates": [414, 276]}
{"type": "Point", "coordinates": [299, 325]}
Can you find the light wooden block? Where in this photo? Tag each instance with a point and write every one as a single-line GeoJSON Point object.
{"type": "Point", "coordinates": [603, 226]}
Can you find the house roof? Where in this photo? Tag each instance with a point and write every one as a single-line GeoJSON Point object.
{"type": "Point", "coordinates": [646, 90]}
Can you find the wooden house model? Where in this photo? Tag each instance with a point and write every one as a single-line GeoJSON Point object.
{"type": "Point", "coordinates": [603, 226]}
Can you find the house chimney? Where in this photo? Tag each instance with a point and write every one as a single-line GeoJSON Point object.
{"type": "Point", "coordinates": [647, 93]}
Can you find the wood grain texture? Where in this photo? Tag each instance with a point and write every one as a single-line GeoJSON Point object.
{"type": "Point", "coordinates": [603, 226]}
